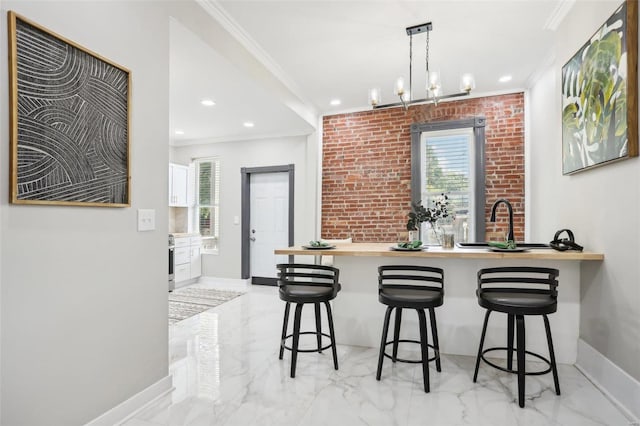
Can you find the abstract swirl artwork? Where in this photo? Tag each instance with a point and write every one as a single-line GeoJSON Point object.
{"type": "Point", "coordinates": [69, 121]}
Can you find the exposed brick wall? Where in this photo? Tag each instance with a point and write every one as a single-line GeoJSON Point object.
{"type": "Point", "coordinates": [366, 162]}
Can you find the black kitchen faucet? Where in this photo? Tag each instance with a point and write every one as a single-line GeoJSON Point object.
{"type": "Point", "coordinates": [510, 236]}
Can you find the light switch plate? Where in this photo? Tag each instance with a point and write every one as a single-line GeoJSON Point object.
{"type": "Point", "coordinates": [146, 219]}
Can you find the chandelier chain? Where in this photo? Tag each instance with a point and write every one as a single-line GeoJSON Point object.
{"type": "Point", "coordinates": [410, 65]}
{"type": "Point", "coordinates": [427, 55]}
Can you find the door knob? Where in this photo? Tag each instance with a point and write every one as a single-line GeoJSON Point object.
{"type": "Point", "coordinates": [252, 238]}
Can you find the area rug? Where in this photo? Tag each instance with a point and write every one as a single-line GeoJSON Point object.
{"type": "Point", "coordinates": [187, 302]}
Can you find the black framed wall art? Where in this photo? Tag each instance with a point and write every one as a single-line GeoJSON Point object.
{"type": "Point", "coordinates": [600, 95]}
{"type": "Point", "coordinates": [69, 121]}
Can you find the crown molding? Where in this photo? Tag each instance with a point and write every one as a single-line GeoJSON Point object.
{"type": "Point", "coordinates": [238, 138]}
{"type": "Point", "coordinates": [558, 14]}
{"type": "Point", "coordinates": [542, 67]}
{"type": "Point", "coordinates": [301, 105]}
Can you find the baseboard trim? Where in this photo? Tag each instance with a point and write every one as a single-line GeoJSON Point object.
{"type": "Point", "coordinates": [185, 283]}
{"type": "Point", "coordinates": [226, 280]}
{"type": "Point", "coordinates": [622, 389]}
{"type": "Point", "coordinates": [264, 281]}
{"type": "Point", "coordinates": [132, 406]}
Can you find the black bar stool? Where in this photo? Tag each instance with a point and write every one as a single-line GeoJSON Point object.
{"type": "Point", "coordinates": [300, 284]}
{"type": "Point", "coordinates": [517, 292]}
{"type": "Point", "coordinates": [412, 287]}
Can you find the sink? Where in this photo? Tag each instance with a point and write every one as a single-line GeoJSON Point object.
{"type": "Point", "coordinates": [486, 245]}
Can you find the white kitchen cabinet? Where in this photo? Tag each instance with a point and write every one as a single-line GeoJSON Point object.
{"type": "Point", "coordinates": [182, 273]}
{"type": "Point", "coordinates": [188, 264]}
{"type": "Point", "coordinates": [178, 185]}
{"type": "Point", "coordinates": [195, 259]}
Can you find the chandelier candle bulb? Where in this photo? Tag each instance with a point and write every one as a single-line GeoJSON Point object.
{"type": "Point", "coordinates": [399, 89]}
{"type": "Point", "coordinates": [434, 82]}
{"type": "Point", "coordinates": [374, 96]}
{"type": "Point", "coordinates": [467, 83]}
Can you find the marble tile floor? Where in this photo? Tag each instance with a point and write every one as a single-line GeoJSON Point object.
{"type": "Point", "coordinates": [226, 371]}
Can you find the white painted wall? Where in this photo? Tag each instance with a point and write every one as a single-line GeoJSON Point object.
{"type": "Point", "coordinates": [298, 150]}
{"type": "Point", "coordinates": [600, 205]}
{"type": "Point", "coordinates": [83, 294]}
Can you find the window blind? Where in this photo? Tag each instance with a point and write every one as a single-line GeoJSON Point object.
{"type": "Point", "coordinates": [449, 170]}
{"type": "Point", "coordinates": [208, 200]}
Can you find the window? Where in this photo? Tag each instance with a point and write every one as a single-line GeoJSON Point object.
{"type": "Point", "coordinates": [207, 208]}
{"type": "Point", "coordinates": [448, 167]}
{"type": "Point", "coordinates": [448, 156]}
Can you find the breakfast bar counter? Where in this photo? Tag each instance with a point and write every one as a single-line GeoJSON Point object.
{"type": "Point", "coordinates": [358, 315]}
{"type": "Point", "coordinates": [385, 249]}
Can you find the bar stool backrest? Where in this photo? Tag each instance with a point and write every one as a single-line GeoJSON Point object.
{"type": "Point", "coordinates": [410, 277]}
{"type": "Point", "coordinates": [519, 279]}
{"type": "Point", "coordinates": [291, 274]}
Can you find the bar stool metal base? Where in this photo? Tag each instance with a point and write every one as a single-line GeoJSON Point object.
{"type": "Point", "coordinates": [520, 350]}
{"type": "Point", "coordinates": [411, 361]}
{"type": "Point", "coordinates": [423, 342]}
{"type": "Point", "coordinates": [511, 370]}
{"type": "Point", "coordinates": [295, 336]}
{"type": "Point", "coordinates": [315, 333]}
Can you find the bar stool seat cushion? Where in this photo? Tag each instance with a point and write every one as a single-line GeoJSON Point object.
{"type": "Point", "coordinates": [410, 298]}
{"type": "Point", "coordinates": [518, 303]}
{"type": "Point", "coordinates": [308, 293]}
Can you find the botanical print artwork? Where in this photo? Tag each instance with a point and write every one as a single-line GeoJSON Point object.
{"type": "Point", "coordinates": [70, 122]}
{"type": "Point", "coordinates": [596, 94]}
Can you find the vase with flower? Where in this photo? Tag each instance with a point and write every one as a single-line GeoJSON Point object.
{"type": "Point", "coordinates": [439, 217]}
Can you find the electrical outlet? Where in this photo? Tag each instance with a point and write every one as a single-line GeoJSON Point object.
{"type": "Point", "coordinates": [146, 219]}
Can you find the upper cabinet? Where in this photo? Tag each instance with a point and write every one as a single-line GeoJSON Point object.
{"type": "Point", "coordinates": [178, 183]}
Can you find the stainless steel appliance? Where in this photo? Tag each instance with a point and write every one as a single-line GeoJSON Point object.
{"type": "Point", "coordinates": [172, 282]}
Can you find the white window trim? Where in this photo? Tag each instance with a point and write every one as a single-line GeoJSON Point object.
{"type": "Point", "coordinates": [196, 204]}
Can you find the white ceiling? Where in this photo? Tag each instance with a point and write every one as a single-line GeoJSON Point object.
{"type": "Point", "coordinates": [321, 50]}
{"type": "Point", "coordinates": [198, 72]}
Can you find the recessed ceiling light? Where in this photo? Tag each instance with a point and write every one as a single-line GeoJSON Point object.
{"type": "Point", "coordinates": [207, 102]}
{"type": "Point", "coordinates": [335, 102]}
{"type": "Point", "coordinates": [179, 132]}
{"type": "Point", "coordinates": [504, 78]}
{"type": "Point", "coordinates": [248, 124]}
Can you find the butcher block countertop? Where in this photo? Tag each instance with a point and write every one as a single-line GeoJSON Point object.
{"type": "Point", "coordinates": [384, 249]}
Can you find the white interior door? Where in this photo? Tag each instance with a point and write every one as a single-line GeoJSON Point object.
{"type": "Point", "coordinates": [269, 221]}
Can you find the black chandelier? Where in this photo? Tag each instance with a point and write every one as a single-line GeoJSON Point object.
{"type": "Point", "coordinates": [433, 86]}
